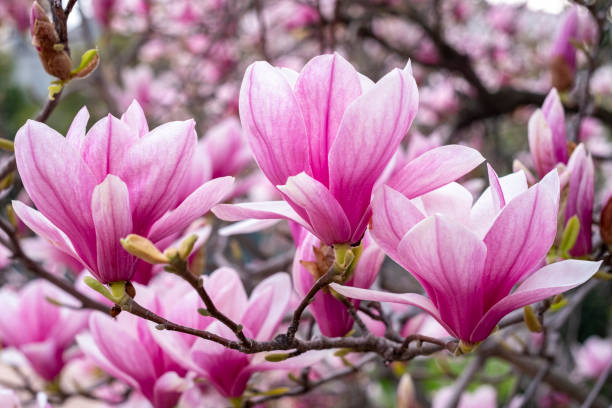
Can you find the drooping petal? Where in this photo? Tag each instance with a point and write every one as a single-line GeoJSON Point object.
{"type": "Point", "coordinates": [195, 205]}
{"type": "Point", "coordinates": [448, 259]}
{"type": "Point", "coordinates": [325, 215]}
{"type": "Point", "coordinates": [521, 236]}
{"type": "Point", "coordinates": [153, 184]}
{"type": "Point", "coordinates": [497, 193]}
{"type": "Point", "coordinates": [548, 281]}
{"type": "Point", "coordinates": [370, 132]}
{"type": "Point", "coordinates": [412, 299]}
{"type": "Point", "coordinates": [434, 169]}
{"type": "Point", "coordinates": [392, 217]}
{"type": "Point", "coordinates": [325, 88]}
{"type": "Point", "coordinates": [247, 227]}
{"type": "Point", "coordinates": [110, 208]}
{"type": "Point", "coordinates": [105, 145]}
{"type": "Point", "coordinates": [273, 122]}
{"type": "Point", "coordinates": [58, 182]}
{"type": "Point", "coordinates": [135, 118]}
{"type": "Point", "coordinates": [262, 210]}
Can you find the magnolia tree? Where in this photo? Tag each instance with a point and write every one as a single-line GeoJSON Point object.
{"type": "Point", "coordinates": [334, 237]}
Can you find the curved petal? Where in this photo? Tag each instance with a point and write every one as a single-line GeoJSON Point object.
{"type": "Point", "coordinates": [541, 143]}
{"type": "Point", "coordinates": [452, 200]}
{"type": "Point", "coordinates": [58, 182]}
{"type": "Point", "coordinates": [226, 290]}
{"type": "Point", "coordinates": [393, 215]}
{"type": "Point", "coordinates": [448, 259]}
{"type": "Point", "coordinates": [553, 110]}
{"type": "Point", "coordinates": [195, 205]}
{"type": "Point", "coordinates": [153, 183]}
{"type": "Point", "coordinates": [262, 210]}
{"type": "Point", "coordinates": [521, 236]}
{"type": "Point", "coordinates": [267, 306]}
{"type": "Point", "coordinates": [135, 118]}
{"type": "Point", "coordinates": [325, 215]}
{"type": "Point", "coordinates": [246, 227]}
{"type": "Point", "coordinates": [167, 390]}
{"type": "Point", "coordinates": [45, 229]}
{"type": "Point", "coordinates": [580, 198]}
{"type": "Point", "coordinates": [324, 89]}
{"type": "Point", "coordinates": [110, 208]}
{"type": "Point", "coordinates": [45, 357]}
{"type": "Point", "coordinates": [273, 122]}
{"type": "Point", "coordinates": [413, 299]}
{"type": "Point", "coordinates": [370, 132]}
{"type": "Point", "coordinates": [105, 146]}
{"type": "Point", "coordinates": [434, 169]}
{"type": "Point", "coordinates": [77, 130]}
{"type": "Point", "coordinates": [548, 281]}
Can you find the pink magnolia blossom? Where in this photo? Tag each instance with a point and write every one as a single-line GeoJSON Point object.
{"type": "Point", "coordinates": [331, 314]}
{"type": "Point", "coordinates": [547, 136]}
{"type": "Point", "coordinates": [580, 198]}
{"type": "Point", "coordinates": [594, 357]}
{"type": "Point", "coordinates": [324, 136]}
{"type": "Point", "coordinates": [563, 52]}
{"type": "Point", "coordinates": [125, 348]}
{"type": "Point", "coordinates": [91, 189]}
{"type": "Point", "coordinates": [469, 258]}
{"type": "Point", "coordinates": [226, 369]}
{"type": "Point", "coordinates": [40, 330]}
{"type": "Point", "coordinates": [103, 11]}
{"type": "Point", "coordinates": [226, 146]}
{"type": "Point", "coordinates": [484, 396]}
{"type": "Point", "coordinates": [9, 399]}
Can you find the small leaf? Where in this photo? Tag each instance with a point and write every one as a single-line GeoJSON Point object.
{"type": "Point", "coordinates": [569, 237]}
{"type": "Point", "coordinates": [275, 358]}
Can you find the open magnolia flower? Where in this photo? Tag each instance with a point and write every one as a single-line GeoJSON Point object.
{"type": "Point", "coordinates": [469, 258]}
{"type": "Point", "coordinates": [324, 136]}
{"type": "Point", "coordinates": [92, 189]}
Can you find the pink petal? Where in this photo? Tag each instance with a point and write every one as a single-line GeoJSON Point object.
{"type": "Point", "coordinates": [45, 357]}
{"type": "Point", "coordinates": [52, 171]}
{"type": "Point", "coordinates": [393, 216]}
{"type": "Point", "coordinates": [76, 133]}
{"type": "Point", "coordinates": [452, 200]}
{"type": "Point", "coordinates": [267, 306]}
{"type": "Point", "coordinates": [195, 205]}
{"type": "Point", "coordinates": [553, 111]}
{"type": "Point", "coordinates": [226, 289]}
{"type": "Point", "coordinates": [548, 281]}
{"type": "Point", "coordinates": [541, 143]}
{"type": "Point", "coordinates": [167, 390]}
{"type": "Point", "coordinates": [273, 122]}
{"type": "Point", "coordinates": [448, 260]}
{"type": "Point", "coordinates": [105, 145]}
{"type": "Point", "coordinates": [434, 169]}
{"type": "Point", "coordinates": [520, 237]}
{"type": "Point", "coordinates": [368, 265]}
{"type": "Point", "coordinates": [325, 215]}
{"type": "Point", "coordinates": [110, 207]}
{"type": "Point", "coordinates": [325, 88]}
{"type": "Point", "coordinates": [580, 198]}
{"type": "Point", "coordinates": [153, 183]}
{"type": "Point", "coordinates": [263, 210]}
{"type": "Point", "coordinates": [45, 229]}
{"type": "Point", "coordinates": [370, 132]}
{"type": "Point", "coordinates": [247, 227]}
{"type": "Point", "coordinates": [496, 190]}
{"type": "Point", "coordinates": [135, 118]}
{"type": "Point", "coordinates": [412, 299]}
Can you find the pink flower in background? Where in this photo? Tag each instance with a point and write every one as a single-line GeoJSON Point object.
{"type": "Point", "coordinates": [91, 189]}
{"type": "Point", "coordinates": [547, 136]}
{"type": "Point", "coordinates": [53, 259]}
{"type": "Point", "coordinates": [581, 197]}
{"type": "Point", "coordinates": [331, 315]}
{"type": "Point", "coordinates": [103, 11]}
{"type": "Point", "coordinates": [469, 258]}
{"type": "Point", "coordinates": [40, 330]}
{"type": "Point", "coordinates": [18, 11]}
{"type": "Point", "coordinates": [9, 399]}
{"type": "Point", "coordinates": [226, 146]}
{"type": "Point", "coordinates": [125, 348]}
{"type": "Point", "coordinates": [260, 314]}
{"type": "Point", "coordinates": [484, 396]}
{"type": "Point", "coordinates": [593, 357]}
{"type": "Point", "coordinates": [323, 137]}
{"type": "Point", "coordinates": [563, 52]}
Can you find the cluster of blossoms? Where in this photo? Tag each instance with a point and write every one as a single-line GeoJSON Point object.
{"type": "Point", "coordinates": [129, 213]}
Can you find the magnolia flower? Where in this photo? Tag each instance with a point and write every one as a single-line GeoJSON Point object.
{"type": "Point", "coordinates": [226, 147]}
{"type": "Point", "coordinates": [580, 198]}
{"type": "Point", "coordinates": [324, 136]}
{"type": "Point", "coordinates": [594, 357]}
{"type": "Point", "coordinates": [547, 136]}
{"type": "Point", "coordinates": [468, 259]}
{"type": "Point", "coordinates": [312, 260]}
{"type": "Point", "coordinates": [40, 330]}
{"type": "Point", "coordinates": [125, 348]}
{"type": "Point", "coordinates": [9, 399]}
{"type": "Point", "coordinates": [92, 189]}
{"type": "Point", "coordinates": [260, 315]}
{"type": "Point", "coordinates": [563, 53]}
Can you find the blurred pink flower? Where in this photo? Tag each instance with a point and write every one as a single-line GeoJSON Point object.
{"type": "Point", "coordinates": [94, 188]}
{"type": "Point", "coordinates": [227, 148]}
{"type": "Point", "coordinates": [469, 258]}
{"type": "Point", "coordinates": [593, 357]}
{"type": "Point", "coordinates": [40, 330]}
{"type": "Point", "coordinates": [484, 396]}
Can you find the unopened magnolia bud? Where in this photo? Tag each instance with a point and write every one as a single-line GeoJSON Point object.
{"type": "Point", "coordinates": [186, 246]}
{"type": "Point", "coordinates": [144, 249]}
{"type": "Point", "coordinates": [605, 222]}
{"type": "Point", "coordinates": [562, 74]}
{"type": "Point", "coordinates": [406, 397]}
{"type": "Point", "coordinates": [531, 320]}
{"type": "Point", "coordinates": [171, 253]}
{"type": "Point", "coordinates": [55, 60]}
